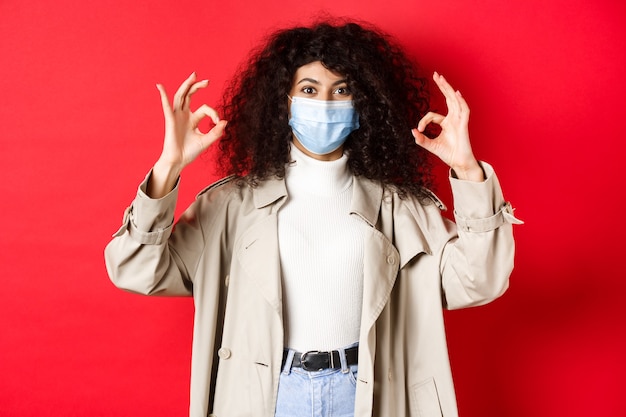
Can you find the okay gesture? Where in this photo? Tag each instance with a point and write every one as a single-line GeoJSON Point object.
{"type": "Point", "coordinates": [452, 145]}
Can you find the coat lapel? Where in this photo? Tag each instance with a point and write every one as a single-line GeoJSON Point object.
{"type": "Point", "coordinates": [388, 213]}
{"type": "Point", "coordinates": [257, 249]}
{"type": "Point", "coordinates": [409, 219]}
{"type": "Point", "coordinates": [385, 254]}
{"type": "Point", "coordinates": [381, 258]}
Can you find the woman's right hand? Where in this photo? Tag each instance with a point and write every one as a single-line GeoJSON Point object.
{"type": "Point", "coordinates": [183, 140]}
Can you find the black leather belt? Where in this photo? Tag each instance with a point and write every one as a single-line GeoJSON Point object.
{"type": "Point", "coordinates": [318, 361]}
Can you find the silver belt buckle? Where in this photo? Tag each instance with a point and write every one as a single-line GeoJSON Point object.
{"type": "Point", "coordinates": [303, 360]}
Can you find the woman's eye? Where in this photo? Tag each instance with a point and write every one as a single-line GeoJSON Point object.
{"type": "Point", "coordinates": [308, 90]}
{"type": "Point", "coordinates": [342, 91]}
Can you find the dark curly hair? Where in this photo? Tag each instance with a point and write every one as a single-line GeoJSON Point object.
{"type": "Point", "coordinates": [389, 96]}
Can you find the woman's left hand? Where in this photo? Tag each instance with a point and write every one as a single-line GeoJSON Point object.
{"type": "Point", "coordinates": [452, 145]}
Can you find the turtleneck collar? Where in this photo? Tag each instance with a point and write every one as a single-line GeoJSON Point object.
{"type": "Point", "coordinates": [311, 176]}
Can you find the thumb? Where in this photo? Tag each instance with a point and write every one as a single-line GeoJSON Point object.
{"type": "Point", "coordinates": [214, 134]}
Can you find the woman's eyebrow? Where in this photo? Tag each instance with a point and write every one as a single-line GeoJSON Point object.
{"type": "Point", "coordinates": [310, 80]}
{"type": "Point", "coordinates": [314, 81]}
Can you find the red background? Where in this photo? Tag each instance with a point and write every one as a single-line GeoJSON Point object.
{"type": "Point", "coordinates": [80, 125]}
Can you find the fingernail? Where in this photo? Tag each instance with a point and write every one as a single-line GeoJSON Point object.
{"type": "Point", "coordinates": [459, 93]}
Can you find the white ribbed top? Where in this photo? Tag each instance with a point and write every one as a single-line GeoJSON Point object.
{"type": "Point", "coordinates": [321, 253]}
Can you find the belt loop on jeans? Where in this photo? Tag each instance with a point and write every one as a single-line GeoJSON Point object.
{"type": "Point", "coordinates": [288, 355]}
{"type": "Point", "coordinates": [343, 361]}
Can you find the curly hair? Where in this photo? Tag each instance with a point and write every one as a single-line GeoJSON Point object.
{"type": "Point", "coordinates": [389, 96]}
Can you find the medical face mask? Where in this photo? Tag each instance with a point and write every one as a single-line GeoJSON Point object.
{"type": "Point", "coordinates": [322, 126]}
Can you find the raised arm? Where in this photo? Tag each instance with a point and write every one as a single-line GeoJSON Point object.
{"type": "Point", "coordinates": [144, 256]}
{"type": "Point", "coordinates": [476, 264]}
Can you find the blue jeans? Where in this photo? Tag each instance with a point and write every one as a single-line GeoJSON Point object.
{"type": "Point", "coordinates": [326, 393]}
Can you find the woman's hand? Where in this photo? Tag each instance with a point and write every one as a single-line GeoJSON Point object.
{"type": "Point", "coordinates": [453, 143]}
{"type": "Point", "coordinates": [183, 140]}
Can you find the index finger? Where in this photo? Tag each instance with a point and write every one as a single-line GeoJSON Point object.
{"type": "Point", "coordinates": [165, 102]}
{"type": "Point", "coordinates": [448, 92]}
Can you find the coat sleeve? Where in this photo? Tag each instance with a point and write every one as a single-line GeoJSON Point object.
{"type": "Point", "coordinates": [146, 256]}
{"type": "Point", "coordinates": [477, 263]}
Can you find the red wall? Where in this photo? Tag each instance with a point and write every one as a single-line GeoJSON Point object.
{"type": "Point", "coordinates": [80, 124]}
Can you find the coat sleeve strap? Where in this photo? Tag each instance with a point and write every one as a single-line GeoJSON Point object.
{"type": "Point", "coordinates": [504, 215]}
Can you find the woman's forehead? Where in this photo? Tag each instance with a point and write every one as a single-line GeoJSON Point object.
{"type": "Point", "coordinates": [316, 71]}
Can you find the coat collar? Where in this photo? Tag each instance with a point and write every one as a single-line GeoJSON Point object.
{"type": "Point", "coordinates": [366, 198]}
{"type": "Point", "coordinates": [367, 202]}
{"type": "Point", "coordinates": [269, 191]}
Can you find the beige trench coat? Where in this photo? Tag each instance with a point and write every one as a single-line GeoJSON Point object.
{"type": "Point", "coordinates": [224, 252]}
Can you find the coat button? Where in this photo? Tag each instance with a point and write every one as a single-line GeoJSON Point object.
{"type": "Point", "coordinates": [227, 280]}
{"type": "Point", "coordinates": [223, 353]}
{"type": "Point", "coordinates": [391, 260]}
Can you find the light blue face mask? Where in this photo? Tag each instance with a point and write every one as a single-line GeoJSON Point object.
{"type": "Point", "coordinates": [322, 126]}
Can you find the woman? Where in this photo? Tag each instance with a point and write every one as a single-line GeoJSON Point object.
{"type": "Point", "coordinates": [321, 265]}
